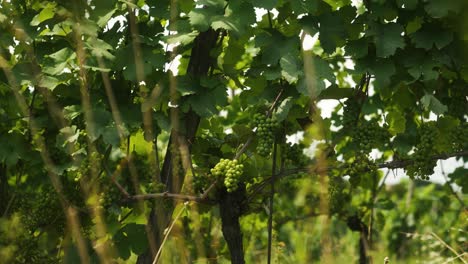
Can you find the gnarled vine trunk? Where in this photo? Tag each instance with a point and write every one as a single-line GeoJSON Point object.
{"type": "Point", "coordinates": [230, 208]}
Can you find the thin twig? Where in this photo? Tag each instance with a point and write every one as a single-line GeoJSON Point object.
{"type": "Point", "coordinates": [447, 246]}
{"type": "Point", "coordinates": [168, 231]}
{"type": "Point", "coordinates": [272, 195]}
{"type": "Point", "coordinates": [447, 182]}
{"type": "Point", "coordinates": [176, 196]}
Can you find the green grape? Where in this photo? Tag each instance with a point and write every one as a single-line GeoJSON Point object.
{"type": "Point", "coordinates": [369, 135]}
{"type": "Point", "coordinates": [230, 171]}
{"type": "Point", "coordinates": [351, 112]}
{"type": "Point", "coordinates": [459, 137]}
{"type": "Point", "coordinates": [41, 208]}
{"type": "Point", "coordinates": [200, 182]}
{"type": "Point", "coordinates": [266, 127]}
{"type": "Point", "coordinates": [360, 166]}
{"type": "Point", "coordinates": [294, 153]}
{"type": "Point", "coordinates": [337, 196]}
{"type": "Point", "coordinates": [457, 103]}
{"type": "Point", "coordinates": [423, 163]}
{"type": "Point", "coordinates": [110, 196]}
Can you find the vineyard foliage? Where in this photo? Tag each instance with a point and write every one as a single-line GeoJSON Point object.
{"type": "Point", "coordinates": [186, 131]}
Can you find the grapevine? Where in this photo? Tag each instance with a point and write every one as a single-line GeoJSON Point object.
{"type": "Point", "coordinates": [231, 171]}
{"type": "Point", "coordinates": [266, 127]}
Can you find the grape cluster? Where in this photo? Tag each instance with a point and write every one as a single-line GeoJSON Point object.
{"type": "Point", "coordinates": [423, 163]}
{"type": "Point", "coordinates": [360, 166]}
{"type": "Point", "coordinates": [110, 197]}
{"type": "Point", "coordinates": [368, 134]}
{"type": "Point", "coordinates": [200, 182]}
{"type": "Point", "coordinates": [41, 208]}
{"type": "Point", "coordinates": [231, 170]}
{"type": "Point", "coordinates": [457, 103]}
{"type": "Point", "coordinates": [266, 127]}
{"type": "Point", "coordinates": [337, 195]}
{"type": "Point", "coordinates": [351, 112]}
{"type": "Point", "coordinates": [459, 137]}
{"type": "Point", "coordinates": [295, 154]}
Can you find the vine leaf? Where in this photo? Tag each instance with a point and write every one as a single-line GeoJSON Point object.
{"type": "Point", "coordinates": [433, 104]}
{"type": "Point", "coordinates": [397, 122]}
{"type": "Point", "coordinates": [441, 8]}
{"type": "Point", "coordinates": [387, 38]}
{"type": "Point", "coordinates": [283, 109]}
{"type": "Point", "coordinates": [47, 13]}
{"type": "Point", "coordinates": [290, 68]}
{"type": "Point", "coordinates": [424, 38]}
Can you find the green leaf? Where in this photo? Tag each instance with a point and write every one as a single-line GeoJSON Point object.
{"type": "Point", "coordinates": [67, 135]}
{"type": "Point", "coordinates": [426, 37]}
{"type": "Point", "coordinates": [100, 48]}
{"type": "Point", "coordinates": [283, 109]}
{"type": "Point", "coordinates": [383, 70]}
{"type": "Point", "coordinates": [357, 48]}
{"type": "Point", "coordinates": [47, 13]}
{"type": "Point", "coordinates": [332, 31]}
{"type": "Point", "coordinates": [396, 120]}
{"type": "Point", "coordinates": [433, 104]}
{"type": "Point", "coordinates": [182, 38]}
{"type": "Point", "coordinates": [335, 92]}
{"type": "Point", "coordinates": [385, 204]}
{"type": "Point", "coordinates": [186, 85]}
{"type": "Point", "coordinates": [441, 8]}
{"type": "Point", "coordinates": [200, 19]}
{"type": "Point", "coordinates": [205, 103]}
{"type": "Point", "coordinates": [387, 38]}
{"type": "Point", "coordinates": [2, 18]}
{"type": "Point", "coordinates": [290, 68]}
{"type": "Point", "coordinates": [414, 25]}
{"type": "Point", "coordinates": [267, 4]}
{"type": "Point", "coordinates": [49, 82]}
{"type": "Point", "coordinates": [424, 70]}
{"type": "Point", "coordinates": [128, 239]}
{"type": "Point", "coordinates": [305, 6]}
{"type": "Point", "coordinates": [312, 88]}
{"type": "Point", "coordinates": [459, 177]}
{"type": "Point", "coordinates": [226, 23]}
{"type": "Point", "coordinates": [322, 69]}
{"type": "Point", "coordinates": [62, 59]}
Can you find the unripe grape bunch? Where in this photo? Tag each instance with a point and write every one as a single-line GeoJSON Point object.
{"type": "Point", "coordinates": [266, 127]}
{"type": "Point", "coordinates": [423, 164]}
{"type": "Point", "coordinates": [351, 113]}
{"type": "Point", "coordinates": [230, 171]}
